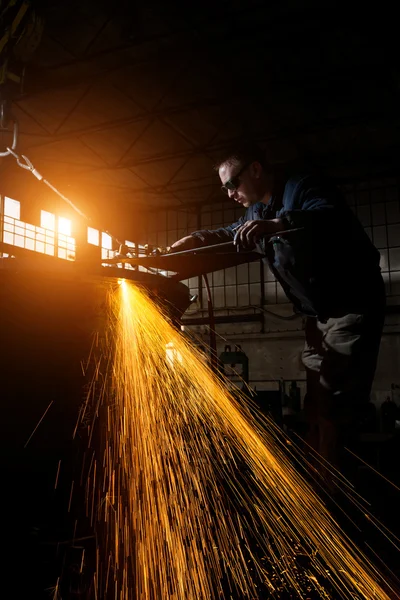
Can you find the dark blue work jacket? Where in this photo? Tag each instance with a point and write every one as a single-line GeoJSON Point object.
{"type": "Point", "coordinates": [328, 269]}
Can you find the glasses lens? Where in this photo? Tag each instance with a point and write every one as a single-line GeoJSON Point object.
{"type": "Point", "coordinates": [231, 184]}
{"type": "Point", "coordinates": [234, 182]}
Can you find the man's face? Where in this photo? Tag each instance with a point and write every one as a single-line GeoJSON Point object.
{"type": "Point", "coordinates": [247, 191]}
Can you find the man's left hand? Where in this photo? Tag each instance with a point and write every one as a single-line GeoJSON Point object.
{"type": "Point", "coordinates": [252, 231]}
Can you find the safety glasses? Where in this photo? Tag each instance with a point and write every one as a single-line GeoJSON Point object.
{"type": "Point", "coordinates": [233, 183]}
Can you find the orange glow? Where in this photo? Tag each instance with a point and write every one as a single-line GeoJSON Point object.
{"type": "Point", "coordinates": [12, 208]}
{"type": "Point", "coordinates": [93, 236]}
{"type": "Point", "coordinates": [47, 220]}
{"type": "Point", "coordinates": [106, 241]}
{"type": "Point", "coordinates": [64, 226]}
{"type": "Point", "coordinates": [188, 480]}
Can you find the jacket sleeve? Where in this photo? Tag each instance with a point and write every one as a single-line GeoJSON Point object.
{"type": "Point", "coordinates": [331, 229]}
{"type": "Point", "coordinates": [209, 237]}
{"type": "Point", "coordinates": [316, 204]}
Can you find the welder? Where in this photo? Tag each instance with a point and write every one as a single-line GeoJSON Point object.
{"type": "Point", "coordinates": [329, 269]}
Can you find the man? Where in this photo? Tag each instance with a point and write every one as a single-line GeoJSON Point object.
{"type": "Point", "coordinates": [329, 270]}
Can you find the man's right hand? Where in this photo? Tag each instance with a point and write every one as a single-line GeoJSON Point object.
{"type": "Point", "coordinates": [186, 243]}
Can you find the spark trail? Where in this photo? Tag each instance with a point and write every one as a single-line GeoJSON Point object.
{"type": "Point", "coordinates": [196, 500]}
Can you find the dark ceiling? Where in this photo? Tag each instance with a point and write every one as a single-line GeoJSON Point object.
{"type": "Point", "coordinates": [134, 102]}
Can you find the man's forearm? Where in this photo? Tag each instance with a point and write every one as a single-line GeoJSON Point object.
{"type": "Point", "coordinates": [209, 237]}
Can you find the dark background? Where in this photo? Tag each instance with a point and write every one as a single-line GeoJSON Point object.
{"type": "Point", "coordinates": [127, 105]}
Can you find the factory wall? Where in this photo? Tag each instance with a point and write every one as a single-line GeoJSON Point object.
{"type": "Point", "coordinates": [276, 353]}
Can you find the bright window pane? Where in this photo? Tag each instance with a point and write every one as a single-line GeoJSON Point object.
{"type": "Point", "coordinates": [8, 238]}
{"type": "Point", "coordinates": [93, 236]}
{"type": "Point", "coordinates": [105, 253]}
{"type": "Point", "coordinates": [106, 241]}
{"type": "Point", "coordinates": [47, 220]}
{"type": "Point", "coordinates": [12, 208]}
{"type": "Point", "coordinates": [64, 226]}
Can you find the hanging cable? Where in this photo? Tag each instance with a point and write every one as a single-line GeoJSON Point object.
{"type": "Point", "coordinates": [3, 128]}
{"type": "Point", "coordinates": [24, 162]}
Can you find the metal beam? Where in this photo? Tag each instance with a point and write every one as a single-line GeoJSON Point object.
{"type": "Point", "coordinates": [374, 118]}
{"type": "Point", "coordinates": [255, 318]}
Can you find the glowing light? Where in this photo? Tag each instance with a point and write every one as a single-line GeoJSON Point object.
{"type": "Point", "coordinates": [64, 226]}
{"type": "Point", "coordinates": [196, 499]}
{"type": "Point", "coordinates": [93, 236]}
{"type": "Point", "coordinates": [172, 354]}
{"type": "Point", "coordinates": [121, 281]}
{"type": "Point", "coordinates": [106, 241]}
{"type": "Point", "coordinates": [12, 208]}
{"type": "Point", "coordinates": [47, 220]}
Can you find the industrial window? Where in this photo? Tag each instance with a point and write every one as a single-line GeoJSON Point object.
{"type": "Point", "coordinates": [43, 239]}
{"type": "Point", "coordinates": [236, 287]}
{"type": "Point", "coordinates": [53, 237]}
{"type": "Point", "coordinates": [94, 236]}
{"type": "Point", "coordinates": [128, 266]}
{"type": "Point", "coordinates": [64, 226]}
{"type": "Point", "coordinates": [12, 208]}
{"type": "Point", "coordinates": [61, 234]}
{"type": "Point", "coordinates": [376, 204]}
{"type": "Point", "coordinates": [165, 227]}
{"type": "Point", "coordinates": [47, 220]}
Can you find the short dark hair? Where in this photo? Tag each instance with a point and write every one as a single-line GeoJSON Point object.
{"type": "Point", "coordinates": [244, 152]}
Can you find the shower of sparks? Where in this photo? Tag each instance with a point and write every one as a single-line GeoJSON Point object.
{"type": "Point", "coordinates": [194, 498]}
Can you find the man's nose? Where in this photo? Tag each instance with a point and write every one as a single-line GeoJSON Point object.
{"type": "Point", "coordinates": [231, 193]}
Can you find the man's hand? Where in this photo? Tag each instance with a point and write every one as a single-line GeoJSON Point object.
{"type": "Point", "coordinates": [252, 231]}
{"type": "Point", "coordinates": [186, 243]}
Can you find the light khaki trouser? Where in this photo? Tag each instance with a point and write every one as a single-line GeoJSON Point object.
{"type": "Point", "coordinates": [340, 357]}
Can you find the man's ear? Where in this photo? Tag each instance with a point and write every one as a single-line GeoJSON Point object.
{"type": "Point", "coordinates": [256, 169]}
